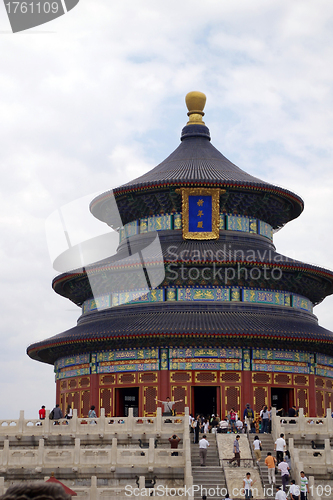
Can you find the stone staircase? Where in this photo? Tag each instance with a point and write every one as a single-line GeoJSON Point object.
{"type": "Point", "coordinates": [210, 477]}
{"type": "Point", "coordinates": [235, 475]}
{"type": "Point", "coordinates": [267, 445]}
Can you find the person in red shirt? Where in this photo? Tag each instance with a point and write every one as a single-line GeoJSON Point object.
{"type": "Point", "coordinates": [42, 413]}
{"type": "Point", "coordinates": [233, 417]}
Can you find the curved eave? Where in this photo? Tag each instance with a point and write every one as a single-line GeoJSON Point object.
{"type": "Point", "coordinates": [59, 283]}
{"type": "Point", "coordinates": [202, 323]}
{"type": "Point", "coordinates": [297, 204]}
{"type": "Point", "coordinates": [63, 348]}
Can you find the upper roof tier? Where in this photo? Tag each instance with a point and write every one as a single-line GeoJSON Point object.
{"type": "Point", "coordinates": [196, 162]}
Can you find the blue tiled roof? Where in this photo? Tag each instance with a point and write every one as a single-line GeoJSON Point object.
{"type": "Point", "coordinates": [197, 162]}
{"type": "Point", "coordinates": [176, 324]}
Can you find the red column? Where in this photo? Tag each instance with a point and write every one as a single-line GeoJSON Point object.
{"type": "Point", "coordinates": [164, 389]}
{"type": "Point", "coordinates": [191, 404]}
{"type": "Point", "coordinates": [312, 396]}
{"type": "Point", "coordinates": [94, 392]}
{"type": "Point", "coordinates": [291, 400]}
{"type": "Point", "coordinates": [246, 391]}
{"type": "Point", "coordinates": [57, 392]}
{"type": "Point", "coordinates": [218, 401]}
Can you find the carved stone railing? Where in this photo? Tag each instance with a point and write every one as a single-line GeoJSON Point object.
{"type": "Point", "coordinates": [100, 426]}
{"type": "Point", "coordinates": [302, 426]}
{"type": "Point", "coordinates": [78, 456]}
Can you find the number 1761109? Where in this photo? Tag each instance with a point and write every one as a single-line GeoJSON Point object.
{"type": "Point", "coordinates": [32, 7]}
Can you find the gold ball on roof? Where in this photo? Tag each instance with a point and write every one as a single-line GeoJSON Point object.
{"type": "Point", "coordinates": [195, 101]}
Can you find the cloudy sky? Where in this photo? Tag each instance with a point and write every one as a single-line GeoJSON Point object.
{"type": "Point", "coordinates": [96, 97]}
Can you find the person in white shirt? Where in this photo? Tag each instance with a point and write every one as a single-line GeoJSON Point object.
{"type": "Point", "coordinates": [257, 448]}
{"type": "Point", "coordinates": [294, 490]}
{"type": "Point", "coordinates": [190, 420]}
{"type": "Point", "coordinates": [206, 426]}
{"type": "Point", "coordinates": [280, 494]}
{"type": "Point", "coordinates": [224, 425]}
{"type": "Point", "coordinates": [167, 406]}
{"type": "Point", "coordinates": [239, 426]}
{"type": "Point", "coordinates": [280, 446]}
{"type": "Point", "coordinates": [203, 446]}
{"type": "Point", "coordinates": [247, 484]}
{"type": "Point", "coordinates": [304, 486]}
{"type": "Point", "coordinates": [284, 469]}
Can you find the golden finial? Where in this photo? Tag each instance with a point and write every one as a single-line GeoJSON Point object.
{"type": "Point", "coordinates": [195, 102]}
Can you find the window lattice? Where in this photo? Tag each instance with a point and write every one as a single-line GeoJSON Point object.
{"type": "Point", "coordinates": [329, 384]}
{"type": "Point", "coordinates": [63, 385]}
{"type": "Point", "coordinates": [300, 379]}
{"type": "Point", "coordinates": [106, 395]}
{"type": "Point", "coordinates": [85, 407]}
{"type": "Point", "coordinates": [331, 400]}
{"type": "Point", "coordinates": [148, 377]}
{"type": "Point", "coordinates": [127, 378]}
{"type": "Point", "coordinates": [261, 377]}
{"type": "Point", "coordinates": [150, 399]}
{"type": "Point", "coordinates": [72, 383]}
{"type": "Point", "coordinates": [206, 377]}
{"type": "Point", "coordinates": [180, 377]}
{"type": "Point", "coordinates": [63, 403]}
{"type": "Point", "coordinates": [319, 404]}
{"type": "Point", "coordinates": [282, 378]}
{"type": "Point", "coordinates": [302, 400]}
{"type": "Point", "coordinates": [179, 393]}
{"type": "Point", "coordinates": [108, 379]}
{"type": "Point", "coordinates": [84, 382]}
{"type": "Point", "coordinates": [232, 398]}
{"type": "Point", "coordinates": [327, 400]}
{"type": "Point", "coordinates": [259, 398]}
{"type": "Point", "coordinates": [230, 377]}
{"type": "Point", "coordinates": [73, 399]}
{"type": "Point", "coordinates": [319, 382]}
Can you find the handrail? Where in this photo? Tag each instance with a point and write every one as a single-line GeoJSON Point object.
{"type": "Point", "coordinates": [247, 462]}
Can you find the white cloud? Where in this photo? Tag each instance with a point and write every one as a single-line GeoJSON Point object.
{"type": "Point", "coordinates": [101, 100]}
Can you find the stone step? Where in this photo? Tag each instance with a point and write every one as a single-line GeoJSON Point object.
{"type": "Point", "coordinates": [197, 496]}
{"type": "Point", "coordinates": [211, 445]}
{"type": "Point", "coordinates": [210, 477]}
{"type": "Point", "coordinates": [206, 484]}
{"type": "Point", "coordinates": [214, 468]}
{"type": "Point", "coordinates": [196, 463]}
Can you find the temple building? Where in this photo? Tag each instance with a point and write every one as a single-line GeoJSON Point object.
{"type": "Point", "coordinates": [196, 303]}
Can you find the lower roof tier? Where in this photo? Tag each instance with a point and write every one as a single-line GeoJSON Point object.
{"type": "Point", "coordinates": [175, 325]}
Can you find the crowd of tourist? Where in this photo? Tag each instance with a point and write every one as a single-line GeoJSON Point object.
{"type": "Point", "coordinates": [233, 422]}
{"type": "Point", "coordinates": [236, 424]}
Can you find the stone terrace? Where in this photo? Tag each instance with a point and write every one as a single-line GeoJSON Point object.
{"type": "Point", "coordinates": [98, 458]}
